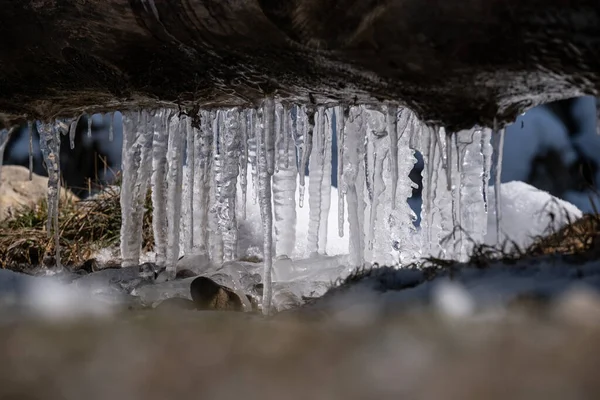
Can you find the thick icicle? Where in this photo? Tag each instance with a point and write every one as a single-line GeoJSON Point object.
{"type": "Point", "coordinates": [269, 126]}
{"type": "Point", "coordinates": [436, 212]}
{"type": "Point", "coordinates": [50, 147]}
{"type": "Point", "coordinates": [244, 127]}
{"type": "Point", "coordinates": [30, 129]}
{"type": "Point", "coordinates": [353, 178]}
{"type": "Point", "coordinates": [306, 123]}
{"type": "Point", "coordinates": [340, 118]}
{"type": "Point", "coordinates": [472, 167]}
{"type": "Point", "coordinates": [89, 125]}
{"type": "Point", "coordinates": [177, 127]}
{"type": "Point", "coordinates": [73, 132]}
{"type": "Point", "coordinates": [378, 241]}
{"type": "Point", "coordinates": [316, 171]}
{"type": "Point", "coordinates": [487, 149]}
{"type": "Point", "coordinates": [111, 129]}
{"type": "Point", "coordinates": [402, 216]}
{"type": "Point", "coordinates": [392, 120]}
{"type": "Point", "coordinates": [188, 215]}
{"type": "Point", "coordinates": [264, 196]}
{"type": "Point", "coordinates": [158, 127]}
{"type": "Point", "coordinates": [4, 138]}
{"type": "Point", "coordinates": [253, 126]}
{"type": "Point", "coordinates": [215, 238]}
{"type": "Point", "coordinates": [284, 187]}
{"type": "Point", "coordinates": [498, 181]}
{"type": "Point", "coordinates": [202, 182]}
{"type": "Point", "coordinates": [226, 173]}
{"type": "Point", "coordinates": [136, 169]}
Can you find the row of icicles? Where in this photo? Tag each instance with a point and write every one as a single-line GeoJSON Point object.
{"type": "Point", "coordinates": [376, 148]}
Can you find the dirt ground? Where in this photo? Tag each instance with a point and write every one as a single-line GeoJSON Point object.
{"type": "Point", "coordinates": [211, 355]}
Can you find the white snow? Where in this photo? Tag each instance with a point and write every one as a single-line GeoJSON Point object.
{"type": "Point", "coordinates": [527, 212]}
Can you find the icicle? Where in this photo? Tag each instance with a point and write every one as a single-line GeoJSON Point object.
{"type": "Point", "coordinates": [340, 118]}
{"type": "Point", "coordinates": [488, 151]}
{"type": "Point", "coordinates": [244, 127]}
{"type": "Point", "coordinates": [269, 126]}
{"type": "Point", "coordinates": [4, 138]}
{"type": "Point", "coordinates": [111, 123]}
{"type": "Point", "coordinates": [226, 173]}
{"type": "Point", "coordinates": [473, 181]}
{"type": "Point", "coordinates": [353, 178]}
{"type": "Point", "coordinates": [216, 237]}
{"type": "Point", "coordinates": [316, 171]}
{"type": "Point", "coordinates": [378, 241]}
{"type": "Point", "coordinates": [136, 169]}
{"type": "Point", "coordinates": [50, 147]}
{"type": "Point", "coordinates": [391, 119]}
{"type": "Point", "coordinates": [306, 126]}
{"type": "Point", "coordinates": [30, 129]}
{"type": "Point", "coordinates": [72, 133]}
{"type": "Point", "coordinates": [402, 216]}
{"type": "Point", "coordinates": [284, 188]}
{"type": "Point", "coordinates": [436, 212]}
{"type": "Point", "coordinates": [253, 127]}
{"type": "Point", "coordinates": [158, 128]}
{"type": "Point", "coordinates": [264, 195]}
{"type": "Point", "coordinates": [498, 180]}
{"type": "Point", "coordinates": [89, 123]}
{"type": "Point", "coordinates": [177, 127]}
{"type": "Point", "coordinates": [202, 181]}
{"type": "Point", "coordinates": [188, 215]}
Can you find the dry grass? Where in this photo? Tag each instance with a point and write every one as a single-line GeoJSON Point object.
{"type": "Point", "coordinates": [85, 227]}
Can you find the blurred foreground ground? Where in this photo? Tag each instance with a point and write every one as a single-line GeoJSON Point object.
{"type": "Point", "coordinates": [550, 354]}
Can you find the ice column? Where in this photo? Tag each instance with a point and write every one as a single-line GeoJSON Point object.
{"type": "Point", "coordinates": [187, 216]}
{"type": "Point", "coordinates": [340, 120]}
{"type": "Point", "coordinates": [50, 146]}
{"type": "Point", "coordinates": [136, 169]}
{"type": "Point", "coordinates": [264, 137]}
{"type": "Point", "coordinates": [4, 137]}
{"type": "Point", "coordinates": [353, 180]}
{"type": "Point", "coordinates": [226, 173]}
{"type": "Point", "coordinates": [319, 185]}
{"type": "Point", "coordinates": [378, 246]}
{"type": "Point", "coordinates": [436, 212]}
{"type": "Point", "coordinates": [177, 128]}
{"type": "Point", "coordinates": [158, 126]}
{"type": "Point", "coordinates": [202, 181]}
{"type": "Point", "coordinates": [403, 160]}
{"type": "Point", "coordinates": [284, 185]}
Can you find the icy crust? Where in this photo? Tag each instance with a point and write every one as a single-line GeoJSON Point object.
{"type": "Point", "coordinates": [205, 208]}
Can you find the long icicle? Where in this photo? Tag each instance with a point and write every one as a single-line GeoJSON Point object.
{"type": "Point", "coordinates": [327, 135]}
{"type": "Point", "coordinates": [340, 131]}
{"type": "Point", "coordinates": [353, 178]}
{"type": "Point", "coordinates": [136, 169]}
{"type": "Point", "coordinates": [498, 181]}
{"type": "Point", "coordinates": [244, 127]}
{"type": "Point", "coordinates": [284, 187]}
{"type": "Point", "coordinates": [159, 130]}
{"type": "Point", "coordinates": [227, 170]}
{"type": "Point", "coordinates": [30, 129]}
{"type": "Point", "coordinates": [188, 216]}
{"type": "Point", "coordinates": [202, 182]}
{"type": "Point", "coordinates": [315, 174]}
{"type": "Point", "coordinates": [264, 139]}
{"type": "Point", "coordinates": [306, 121]}
{"type": "Point", "coordinates": [177, 127]}
{"type": "Point", "coordinates": [50, 147]}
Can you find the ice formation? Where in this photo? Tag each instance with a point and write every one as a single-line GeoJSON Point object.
{"type": "Point", "coordinates": [50, 146]}
{"type": "Point", "coordinates": [198, 210]}
{"type": "Point", "coordinates": [4, 137]}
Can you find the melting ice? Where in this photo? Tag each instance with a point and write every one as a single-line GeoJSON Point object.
{"type": "Point", "coordinates": [200, 206]}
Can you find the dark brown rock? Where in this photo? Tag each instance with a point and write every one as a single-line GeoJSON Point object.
{"type": "Point", "coordinates": [454, 62]}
